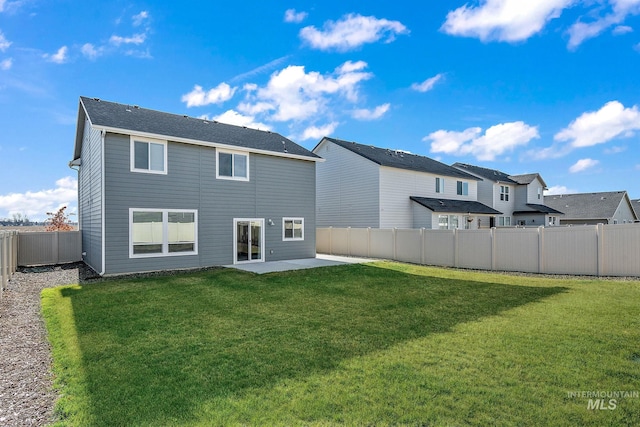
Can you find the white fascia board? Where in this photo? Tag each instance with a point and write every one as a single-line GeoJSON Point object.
{"type": "Point", "coordinates": [206, 144]}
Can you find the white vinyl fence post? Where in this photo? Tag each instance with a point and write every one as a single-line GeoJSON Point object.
{"type": "Point", "coordinates": [600, 250]}
{"type": "Point", "coordinates": [493, 249]}
{"type": "Point", "coordinates": [541, 249]}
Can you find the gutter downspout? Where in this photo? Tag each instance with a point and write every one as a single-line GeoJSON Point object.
{"type": "Point", "coordinates": [103, 134]}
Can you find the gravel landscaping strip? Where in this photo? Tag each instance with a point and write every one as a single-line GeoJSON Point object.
{"type": "Point", "coordinates": [26, 394]}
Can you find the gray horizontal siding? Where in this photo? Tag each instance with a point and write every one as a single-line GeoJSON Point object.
{"type": "Point", "coordinates": [348, 192]}
{"type": "Point", "coordinates": [90, 197]}
{"type": "Point", "coordinates": [278, 187]}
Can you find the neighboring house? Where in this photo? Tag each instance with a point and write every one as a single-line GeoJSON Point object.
{"type": "Point", "coordinates": [365, 186]}
{"type": "Point", "coordinates": [635, 204]}
{"type": "Point", "coordinates": [612, 207]}
{"type": "Point", "coordinates": [519, 197]}
{"type": "Point", "coordinates": [161, 191]}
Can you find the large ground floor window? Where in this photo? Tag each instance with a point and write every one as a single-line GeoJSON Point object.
{"type": "Point", "coordinates": [451, 222]}
{"type": "Point", "coordinates": [162, 232]}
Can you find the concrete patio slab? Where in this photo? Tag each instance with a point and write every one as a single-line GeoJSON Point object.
{"type": "Point", "coordinates": [320, 260]}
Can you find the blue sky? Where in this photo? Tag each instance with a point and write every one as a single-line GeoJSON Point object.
{"type": "Point", "coordinates": [550, 86]}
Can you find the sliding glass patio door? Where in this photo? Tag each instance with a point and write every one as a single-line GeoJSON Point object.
{"type": "Point", "coordinates": [248, 236]}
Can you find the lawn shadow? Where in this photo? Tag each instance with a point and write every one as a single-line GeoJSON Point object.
{"type": "Point", "coordinates": [154, 349]}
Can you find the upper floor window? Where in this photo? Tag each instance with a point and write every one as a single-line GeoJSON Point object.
{"type": "Point", "coordinates": [293, 229]}
{"type": "Point", "coordinates": [439, 185]}
{"type": "Point", "coordinates": [148, 155]}
{"type": "Point", "coordinates": [463, 188]}
{"type": "Point", "coordinates": [504, 193]}
{"type": "Point", "coordinates": [539, 193]}
{"type": "Point", "coordinates": [232, 165]}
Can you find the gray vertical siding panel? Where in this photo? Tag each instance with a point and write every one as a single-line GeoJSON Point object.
{"type": "Point", "coordinates": [90, 197]}
{"type": "Point", "coordinates": [191, 184]}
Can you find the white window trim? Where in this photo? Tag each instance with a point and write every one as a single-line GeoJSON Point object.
{"type": "Point", "coordinates": [463, 185]}
{"type": "Point", "coordinates": [165, 233]}
{"type": "Point", "coordinates": [233, 152]}
{"type": "Point", "coordinates": [290, 239]}
{"type": "Point", "coordinates": [132, 155]}
{"type": "Point", "coordinates": [439, 185]}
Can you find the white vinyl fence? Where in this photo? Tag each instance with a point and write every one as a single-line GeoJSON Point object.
{"type": "Point", "coordinates": [49, 247]}
{"type": "Point", "coordinates": [598, 250]}
{"type": "Point", "coordinates": [8, 257]}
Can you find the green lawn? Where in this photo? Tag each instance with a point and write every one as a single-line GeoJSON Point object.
{"type": "Point", "coordinates": [374, 344]}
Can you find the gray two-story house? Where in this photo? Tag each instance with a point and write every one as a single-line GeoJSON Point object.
{"type": "Point", "coordinates": [161, 191]}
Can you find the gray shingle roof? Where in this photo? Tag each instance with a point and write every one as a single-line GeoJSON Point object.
{"type": "Point", "coordinates": [455, 206]}
{"type": "Point", "coordinates": [401, 159]}
{"type": "Point", "coordinates": [527, 178]}
{"type": "Point", "coordinates": [586, 205]}
{"type": "Point", "coordinates": [490, 174]}
{"type": "Point", "coordinates": [133, 118]}
{"type": "Point", "coordinates": [635, 204]}
{"type": "Point", "coordinates": [539, 209]}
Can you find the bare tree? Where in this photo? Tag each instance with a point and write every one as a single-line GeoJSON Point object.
{"type": "Point", "coordinates": [58, 221]}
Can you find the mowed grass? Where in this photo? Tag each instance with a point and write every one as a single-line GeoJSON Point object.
{"type": "Point", "coordinates": [376, 344]}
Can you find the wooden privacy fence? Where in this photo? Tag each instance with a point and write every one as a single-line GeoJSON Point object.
{"type": "Point", "coordinates": [598, 250]}
{"type": "Point", "coordinates": [8, 257]}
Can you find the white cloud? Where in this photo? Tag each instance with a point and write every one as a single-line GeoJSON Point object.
{"type": "Point", "coordinates": [621, 9]}
{"type": "Point", "coordinates": [60, 57]}
{"type": "Point", "coordinates": [2, 2]}
{"type": "Point", "coordinates": [4, 43]}
{"type": "Point", "coordinates": [140, 18]}
{"type": "Point", "coordinates": [428, 84]}
{"type": "Point", "coordinates": [90, 51]}
{"type": "Point", "coordinates": [232, 117]}
{"type": "Point", "coordinates": [136, 39]}
{"type": "Point", "coordinates": [198, 97]}
{"type": "Point", "coordinates": [6, 64]}
{"type": "Point", "coordinates": [376, 113]}
{"type": "Point", "coordinates": [596, 127]}
{"type": "Point", "coordinates": [296, 17]}
{"type": "Point", "coordinates": [503, 20]}
{"type": "Point", "coordinates": [297, 95]}
{"type": "Point", "coordinates": [35, 204]}
{"type": "Point", "coordinates": [558, 189]}
{"type": "Point", "coordinates": [314, 132]}
{"type": "Point", "coordinates": [254, 109]}
{"type": "Point", "coordinates": [615, 150]}
{"type": "Point", "coordinates": [582, 165]}
{"type": "Point", "coordinates": [351, 32]}
{"type": "Point", "coordinates": [622, 29]}
{"type": "Point", "coordinates": [259, 70]}
{"type": "Point", "coordinates": [496, 140]}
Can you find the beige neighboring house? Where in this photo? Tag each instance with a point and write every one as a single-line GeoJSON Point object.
{"type": "Point", "coordinates": [519, 197]}
{"type": "Point", "coordinates": [362, 185]}
{"type": "Point", "coordinates": [610, 207]}
{"type": "Point", "coordinates": [635, 203]}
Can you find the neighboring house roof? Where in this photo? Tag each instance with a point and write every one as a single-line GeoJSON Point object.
{"type": "Point", "coordinates": [635, 204]}
{"type": "Point", "coordinates": [601, 205]}
{"type": "Point", "coordinates": [131, 119]}
{"type": "Point", "coordinates": [455, 206]}
{"type": "Point", "coordinates": [490, 174]}
{"type": "Point", "coordinates": [528, 179]}
{"type": "Point", "coordinates": [534, 208]}
{"type": "Point", "coordinates": [400, 159]}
